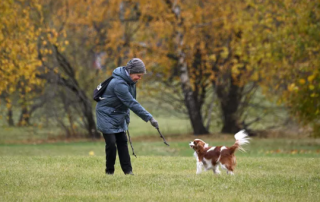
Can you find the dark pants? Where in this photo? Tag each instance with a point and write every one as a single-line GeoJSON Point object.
{"type": "Point", "coordinates": [114, 142]}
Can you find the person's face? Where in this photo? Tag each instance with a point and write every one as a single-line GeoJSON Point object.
{"type": "Point", "coordinates": [136, 77]}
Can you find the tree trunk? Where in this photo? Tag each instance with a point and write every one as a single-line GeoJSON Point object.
{"type": "Point", "coordinates": [194, 114]}
{"type": "Point", "coordinates": [24, 116]}
{"type": "Point", "coordinates": [230, 99]}
{"type": "Point", "coordinates": [87, 112]}
{"type": "Point", "coordinates": [10, 117]}
{"type": "Point", "coordinates": [66, 106]}
{"type": "Point", "coordinates": [230, 122]}
{"type": "Point", "coordinates": [191, 102]}
{"type": "Point", "coordinates": [70, 81]}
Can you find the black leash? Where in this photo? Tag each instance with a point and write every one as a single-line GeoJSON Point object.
{"type": "Point", "coordinates": [131, 145]}
{"type": "Point", "coordinates": [164, 140]}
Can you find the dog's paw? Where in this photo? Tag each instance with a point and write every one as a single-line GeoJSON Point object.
{"type": "Point", "coordinates": [199, 171]}
{"type": "Point", "coordinates": [230, 172]}
{"type": "Point", "coordinates": [199, 167]}
{"type": "Point", "coordinates": [217, 171]}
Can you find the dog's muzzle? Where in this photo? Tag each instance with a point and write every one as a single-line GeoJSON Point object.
{"type": "Point", "coordinates": [191, 144]}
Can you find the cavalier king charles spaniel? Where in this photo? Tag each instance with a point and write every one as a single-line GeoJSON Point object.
{"type": "Point", "coordinates": [210, 158]}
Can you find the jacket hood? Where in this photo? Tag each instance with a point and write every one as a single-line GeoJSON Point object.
{"type": "Point", "coordinates": [121, 73]}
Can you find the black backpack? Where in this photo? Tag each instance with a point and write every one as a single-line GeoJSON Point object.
{"type": "Point", "coordinates": [99, 90]}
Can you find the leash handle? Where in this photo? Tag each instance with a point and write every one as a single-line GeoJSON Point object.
{"type": "Point", "coordinates": [131, 145]}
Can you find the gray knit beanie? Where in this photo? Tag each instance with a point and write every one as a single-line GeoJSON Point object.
{"type": "Point", "coordinates": [136, 66]}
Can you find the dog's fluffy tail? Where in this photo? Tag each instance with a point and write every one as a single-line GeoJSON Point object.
{"type": "Point", "coordinates": [241, 139]}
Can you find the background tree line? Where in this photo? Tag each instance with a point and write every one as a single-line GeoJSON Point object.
{"type": "Point", "coordinates": [211, 60]}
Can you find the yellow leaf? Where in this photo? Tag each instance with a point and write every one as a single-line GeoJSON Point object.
{"type": "Point", "coordinates": [310, 78]}
{"type": "Point", "coordinates": [311, 87]}
{"type": "Point", "coordinates": [291, 87]}
{"type": "Point", "coordinates": [213, 57]}
{"type": "Point", "coordinates": [225, 52]}
{"type": "Point", "coordinates": [302, 81]}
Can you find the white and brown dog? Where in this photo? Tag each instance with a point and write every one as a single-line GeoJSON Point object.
{"type": "Point", "coordinates": [211, 157]}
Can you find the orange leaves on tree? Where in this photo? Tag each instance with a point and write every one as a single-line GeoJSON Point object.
{"type": "Point", "coordinates": [18, 47]}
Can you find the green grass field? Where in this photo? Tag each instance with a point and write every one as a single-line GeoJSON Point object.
{"type": "Point", "coordinates": [271, 170]}
{"type": "Point", "coordinates": [39, 164]}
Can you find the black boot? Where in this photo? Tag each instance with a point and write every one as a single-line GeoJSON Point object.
{"type": "Point", "coordinates": [129, 173]}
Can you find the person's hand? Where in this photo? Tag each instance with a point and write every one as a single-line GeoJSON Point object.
{"type": "Point", "coordinates": [154, 123]}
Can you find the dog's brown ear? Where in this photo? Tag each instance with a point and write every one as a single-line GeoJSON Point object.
{"type": "Point", "coordinates": [201, 144]}
{"type": "Point", "coordinates": [196, 143]}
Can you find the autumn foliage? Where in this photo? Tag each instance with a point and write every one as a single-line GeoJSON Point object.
{"type": "Point", "coordinates": [193, 50]}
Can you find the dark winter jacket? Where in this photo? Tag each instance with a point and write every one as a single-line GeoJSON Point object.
{"type": "Point", "coordinates": [113, 112]}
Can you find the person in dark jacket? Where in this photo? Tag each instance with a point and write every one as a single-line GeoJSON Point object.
{"type": "Point", "coordinates": [113, 113]}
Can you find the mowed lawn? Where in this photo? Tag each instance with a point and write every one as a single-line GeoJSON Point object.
{"type": "Point", "coordinates": [271, 170]}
